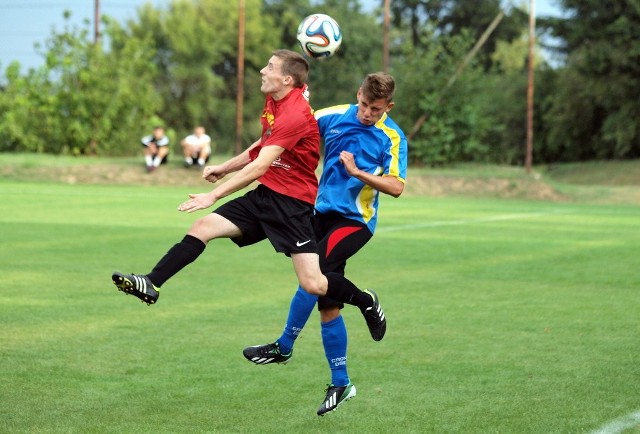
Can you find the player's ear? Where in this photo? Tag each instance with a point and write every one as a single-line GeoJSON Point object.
{"type": "Point", "coordinates": [389, 106]}
{"type": "Point", "coordinates": [359, 94]}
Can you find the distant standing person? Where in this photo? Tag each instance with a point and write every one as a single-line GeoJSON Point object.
{"type": "Point", "coordinates": [156, 148]}
{"type": "Point", "coordinates": [196, 147]}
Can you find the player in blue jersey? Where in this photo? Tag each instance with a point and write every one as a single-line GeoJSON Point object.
{"type": "Point", "coordinates": [365, 153]}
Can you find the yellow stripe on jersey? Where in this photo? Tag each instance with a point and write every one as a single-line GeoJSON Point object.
{"type": "Point", "coordinates": [366, 198]}
{"type": "Point", "coordinates": [336, 109]}
{"type": "Point", "coordinates": [394, 137]}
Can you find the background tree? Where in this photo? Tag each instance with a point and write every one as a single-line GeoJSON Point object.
{"type": "Point", "coordinates": [196, 54]}
{"type": "Point", "coordinates": [84, 100]}
{"type": "Point", "coordinates": [596, 111]}
{"type": "Point", "coordinates": [177, 65]}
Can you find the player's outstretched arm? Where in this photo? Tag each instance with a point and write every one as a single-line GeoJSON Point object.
{"type": "Point", "coordinates": [240, 180]}
{"type": "Point", "coordinates": [216, 172]}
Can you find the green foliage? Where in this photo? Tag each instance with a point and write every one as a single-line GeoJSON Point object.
{"type": "Point", "coordinates": [456, 126]}
{"type": "Point", "coordinates": [453, 18]}
{"type": "Point", "coordinates": [197, 46]}
{"type": "Point", "coordinates": [595, 114]}
{"type": "Point", "coordinates": [85, 100]}
{"type": "Point", "coordinates": [178, 65]}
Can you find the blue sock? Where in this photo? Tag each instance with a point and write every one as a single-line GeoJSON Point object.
{"type": "Point", "coordinates": [334, 339]}
{"type": "Point", "coordinates": [300, 309]}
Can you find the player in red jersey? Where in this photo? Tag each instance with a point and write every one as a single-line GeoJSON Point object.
{"type": "Point", "coordinates": [280, 209]}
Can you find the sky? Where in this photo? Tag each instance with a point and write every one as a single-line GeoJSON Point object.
{"type": "Point", "coordinates": [26, 22]}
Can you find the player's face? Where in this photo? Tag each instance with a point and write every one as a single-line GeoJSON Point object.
{"type": "Point", "coordinates": [274, 83]}
{"type": "Point", "coordinates": [370, 111]}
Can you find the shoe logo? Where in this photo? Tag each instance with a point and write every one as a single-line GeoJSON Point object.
{"type": "Point", "coordinates": [299, 244]}
{"type": "Point", "coordinates": [331, 401]}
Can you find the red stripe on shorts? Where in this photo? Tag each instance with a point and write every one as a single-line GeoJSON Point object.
{"type": "Point", "coordinates": [339, 235]}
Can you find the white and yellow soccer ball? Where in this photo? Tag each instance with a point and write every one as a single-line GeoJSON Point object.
{"type": "Point", "coordinates": [319, 36]}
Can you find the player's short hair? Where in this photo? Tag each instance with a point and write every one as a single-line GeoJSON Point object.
{"type": "Point", "coordinates": [295, 65]}
{"type": "Point", "coordinates": [379, 85]}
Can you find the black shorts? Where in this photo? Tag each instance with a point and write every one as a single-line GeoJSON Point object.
{"type": "Point", "coordinates": [165, 159]}
{"type": "Point", "coordinates": [339, 238]}
{"type": "Point", "coordinates": [262, 213]}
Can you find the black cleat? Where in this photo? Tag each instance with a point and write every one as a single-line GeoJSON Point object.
{"type": "Point", "coordinates": [375, 317]}
{"type": "Point", "coordinates": [138, 285]}
{"type": "Point", "coordinates": [335, 397]}
{"type": "Point", "coordinates": [265, 354]}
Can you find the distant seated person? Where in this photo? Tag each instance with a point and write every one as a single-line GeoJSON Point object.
{"type": "Point", "coordinates": [156, 148]}
{"type": "Point", "coordinates": [196, 147]}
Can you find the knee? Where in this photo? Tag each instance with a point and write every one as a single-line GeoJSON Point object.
{"type": "Point", "coordinates": [200, 230]}
{"type": "Point", "coordinates": [314, 286]}
{"type": "Point", "coordinates": [329, 314]}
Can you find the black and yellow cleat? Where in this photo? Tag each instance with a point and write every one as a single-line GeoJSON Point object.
{"type": "Point", "coordinates": [138, 285]}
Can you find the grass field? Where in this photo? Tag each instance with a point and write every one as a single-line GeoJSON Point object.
{"type": "Point", "coordinates": [505, 316]}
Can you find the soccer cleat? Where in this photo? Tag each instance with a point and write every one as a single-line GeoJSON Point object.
{"type": "Point", "coordinates": [375, 317]}
{"type": "Point", "coordinates": [138, 285]}
{"type": "Point", "coordinates": [335, 397]}
{"type": "Point", "coordinates": [265, 354]}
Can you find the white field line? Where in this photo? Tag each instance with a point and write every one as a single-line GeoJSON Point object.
{"type": "Point", "coordinates": [495, 218]}
{"type": "Point", "coordinates": [619, 425]}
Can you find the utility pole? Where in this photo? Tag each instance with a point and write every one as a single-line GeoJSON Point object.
{"type": "Point", "coordinates": [96, 21]}
{"type": "Point", "coordinates": [530, 69]}
{"type": "Point", "coordinates": [385, 35]}
{"type": "Point", "coordinates": [240, 79]}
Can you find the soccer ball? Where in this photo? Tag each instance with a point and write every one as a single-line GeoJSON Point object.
{"type": "Point", "coordinates": [319, 36]}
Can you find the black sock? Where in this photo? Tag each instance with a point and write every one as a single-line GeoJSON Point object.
{"type": "Point", "coordinates": [343, 290]}
{"type": "Point", "coordinates": [178, 257]}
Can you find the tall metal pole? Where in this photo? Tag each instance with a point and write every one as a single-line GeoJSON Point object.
{"type": "Point", "coordinates": [240, 90]}
{"type": "Point", "coordinates": [96, 21]}
{"type": "Point", "coordinates": [532, 38]}
{"type": "Point", "coordinates": [385, 35]}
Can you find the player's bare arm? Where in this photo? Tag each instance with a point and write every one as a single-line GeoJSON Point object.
{"type": "Point", "coordinates": [240, 180]}
{"type": "Point", "coordinates": [216, 172]}
{"type": "Point", "coordinates": [385, 184]}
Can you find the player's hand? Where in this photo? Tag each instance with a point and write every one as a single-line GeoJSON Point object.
{"type": "Point", "coordinates": [349, 162]}
{"type": "Point", "coordinates": [213, 173]}
{"type": "Point", "coordinates": [197, 202]}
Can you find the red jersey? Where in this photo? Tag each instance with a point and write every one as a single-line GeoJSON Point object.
{"type": "Point", "coordinates": [289, 123]}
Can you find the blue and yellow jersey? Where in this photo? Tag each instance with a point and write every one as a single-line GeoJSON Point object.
{"type": "Point", "coordinates": [379, 149]}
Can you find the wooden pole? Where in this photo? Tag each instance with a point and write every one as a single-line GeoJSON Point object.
{"type": "Point", "coordinates": [385, 35]}
{"type": "Point", "coordinates": [240, 90]}
{"type": "Point", "coordinates": [530, 78]}
{"type": "Point", "coordinates": [96, 21]}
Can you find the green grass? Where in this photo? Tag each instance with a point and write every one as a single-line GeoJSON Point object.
{"type": "Point", "coordinates": [504, 317]}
